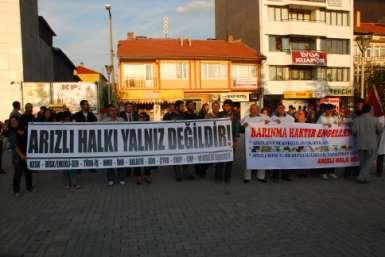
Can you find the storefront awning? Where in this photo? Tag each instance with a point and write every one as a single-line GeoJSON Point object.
{"type": "Point", "coordinates": [151, 96]}
{"type": "Point", "coordinates": [299, 94]}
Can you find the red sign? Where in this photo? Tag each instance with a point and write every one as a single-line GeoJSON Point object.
{"type": "Point", "coordinates": [309, 58]}
{"type": "Point", "coordinates": [331, 100]}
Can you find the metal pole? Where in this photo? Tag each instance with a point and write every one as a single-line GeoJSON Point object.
{"type": "Point", "coordinates": [363, 75]}
{"type": "Point", "coordinates": [112, 80]}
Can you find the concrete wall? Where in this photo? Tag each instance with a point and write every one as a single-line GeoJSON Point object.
{"type": "Point", "coordinates": [11, 65]}
{"type": "Point", "coordinates": [37, 54]}
{"type": "Point", "coordinates": [240, 19]}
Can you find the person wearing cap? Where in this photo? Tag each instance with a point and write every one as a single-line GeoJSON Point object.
{"type": "Point", "coordinates": [328, 119]}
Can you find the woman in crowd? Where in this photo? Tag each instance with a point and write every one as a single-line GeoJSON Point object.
{"type": "Point", "coordinates": [143, 174]}
{"type": "Point", "coordinates": [204, 111]}
{"type": "Point", "coordinates": [49, 116]}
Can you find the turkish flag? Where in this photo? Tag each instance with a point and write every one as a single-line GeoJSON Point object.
{"type": "Point", "coordinates": [374, 100]}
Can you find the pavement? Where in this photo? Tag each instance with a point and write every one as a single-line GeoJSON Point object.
{"type": "Point", "coordinates": [307, 217]}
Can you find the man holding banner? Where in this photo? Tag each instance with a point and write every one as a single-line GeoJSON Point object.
{"type": "Point", "coordinates": [254, 118]}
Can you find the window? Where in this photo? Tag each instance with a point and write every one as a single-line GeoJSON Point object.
{"type": "Point", "coordinates": [368, 52]}
{"type": "Point", "coordinates": [335, 18]}
{"type": "Point", "coordinates": [279, 73]}
{"type": "Point", "coordinates": [322, 17]}
{"type": "Point", "coordinates": [382, 52]}
{"type": "Point", "coordinates": [301, 73]}
{"type": "Point", "coordinates": [376, 51]}
{"type": "Point", "coordinates": [338, 74]}
{"type": "Point", "coordinates": [277, 13]}
{"type": "Point", "coordinates": [138, 75]}
{"type": "Point", "coordinates": [174, 70]}
{"type": "Point", "coordinates": [214, 71]}
{"type": "Point", "coordinates": [244, 70]}
{"type": "Point", "coordinates": [303, 44]}
{"type": "Point", "coordinates": [299, 15]}
{"type": "Point", "coordinates": [335, 46]}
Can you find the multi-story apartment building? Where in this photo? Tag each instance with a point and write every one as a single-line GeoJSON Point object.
{"type": "Point", "coordinates": [307, 44]}
{"type": "Point", "coordinates": [374, 51]}
{"type": "Point", "coordinates": [154, 72]}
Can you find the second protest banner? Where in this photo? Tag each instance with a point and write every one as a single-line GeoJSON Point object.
{"type": "Point", "coordinates": [299, 146]}
{"type": "Point", "coordinates": [63, 146]}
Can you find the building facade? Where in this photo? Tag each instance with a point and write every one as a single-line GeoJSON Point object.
{"type": "Point", "coordinates": [26, 52]}
{"type": "Point", "coordinates": [372, 58]}
{"type": "Point", "coordinates": [154, 72]}
{"type": "Point", "coordinates": [307, 43]}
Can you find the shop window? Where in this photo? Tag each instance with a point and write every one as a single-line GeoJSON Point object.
{"type": "Point", "coordinates": [174, 70]}
{"type": "Point", "coordinates": [214, 71]}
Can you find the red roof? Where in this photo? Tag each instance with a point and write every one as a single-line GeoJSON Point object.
{"type": "Point", "coordinates": [84, 70]}
{"type": "Point", "coordinates": [199, 49]}
{"type": "Point", "coordinates": [370, 28]}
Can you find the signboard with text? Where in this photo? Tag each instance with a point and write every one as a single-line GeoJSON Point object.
{"type": "Point", "coordinates": [299, 146]}
{"type": "Point", "coordinates": [66, 146]}
{"type": "Point", "coordinates": [309, 58]}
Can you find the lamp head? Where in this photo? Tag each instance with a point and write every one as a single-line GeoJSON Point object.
{"type": "Point", "coordinates": [108, 7]}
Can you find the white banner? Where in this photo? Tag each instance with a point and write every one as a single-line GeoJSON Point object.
{"type": "Point", "coordinates": [299, 146]}
{"type": "Point", "coordinates": [63, 146]}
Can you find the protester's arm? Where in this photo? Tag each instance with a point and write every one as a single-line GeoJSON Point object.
{"type": "Point", "coordinates": [379, 127]}
{"type": "Point", "coordinates": [20, 154]}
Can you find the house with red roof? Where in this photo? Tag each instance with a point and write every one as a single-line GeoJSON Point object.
{"type": "Point", "coordinates": [156, 71]}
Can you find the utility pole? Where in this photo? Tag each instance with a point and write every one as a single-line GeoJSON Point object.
{"type": "Point", "coordinates": [111, 88]}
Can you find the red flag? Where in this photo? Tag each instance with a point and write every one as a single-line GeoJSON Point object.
{"type": "Point", "coordinates": [374, 100]}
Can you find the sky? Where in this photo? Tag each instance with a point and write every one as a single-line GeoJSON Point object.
{"type": "Point", "coordinates": [82, 25]}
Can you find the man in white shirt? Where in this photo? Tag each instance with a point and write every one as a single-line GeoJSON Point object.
{"type": "Point", "coordinates": [281, 117]}
{"type": "Point", "coordinates": [254, 118]}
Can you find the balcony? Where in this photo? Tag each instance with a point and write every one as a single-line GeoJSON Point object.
{"type": "Point", "coordinates": [138, 83]}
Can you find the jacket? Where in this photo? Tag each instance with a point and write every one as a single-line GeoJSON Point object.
{"type": "Point", "coordinates": [79, 117]}
{"type": "Point", "coordinates": [366, 130]}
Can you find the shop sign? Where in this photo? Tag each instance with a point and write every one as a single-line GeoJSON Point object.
{"type": "Point", "coordinates": [340, 91]}
{"type": "Point", "coordinates": [309, 58]}
{"type": "Point", "coordinates": [245, 82]}
{"type": "Point", "coordinates": [235, 97]}
{"type": "Point", "coordinates": [299, 94]}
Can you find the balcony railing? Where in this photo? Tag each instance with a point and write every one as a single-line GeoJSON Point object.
{"type": "Point", "coordinates": [139, 83]}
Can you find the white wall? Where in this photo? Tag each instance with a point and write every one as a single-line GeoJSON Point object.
{"type": "Point", "coordinates": [11, 66]}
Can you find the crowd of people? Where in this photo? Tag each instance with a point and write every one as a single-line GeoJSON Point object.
{"type": "Point", "coordinates": [367, 129]}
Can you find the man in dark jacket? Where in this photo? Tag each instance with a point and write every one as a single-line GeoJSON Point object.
{"type": "Point", "coordinates": [129, 113]}
{"type": "Point", "coordinates": [223, 170]}
{"type": "Point", "coordinates": [27, 116]}
{"type": "Point", "coordinates": [85, 114]}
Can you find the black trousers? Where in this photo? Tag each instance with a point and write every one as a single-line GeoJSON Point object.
{"type": "Point", "coordinates": [20, 170]}
{"type": "Point", "coordinates": [146, 171]}
{"type": "Point", "coordinates": [380, 165]}
{"type": "Point", "coordinates": [223, 171]}
{"type": "Point", "coordinates": [1, 154]}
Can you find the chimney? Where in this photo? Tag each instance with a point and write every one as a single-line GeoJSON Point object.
{"type": "Point", "coordinates": [358, 19]}
{"type": "Point", "coordinates": [230, 38]}
{"type": "Point", "coordinates": [181, 41]}
{"type": "Point", "coordinates": [190, 41]}
{"type": "Point", "coordinates": [130, 35]}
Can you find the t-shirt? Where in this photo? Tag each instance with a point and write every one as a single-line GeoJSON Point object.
{"type": "Point", "coordinates": [257, 119]}
{"type": "Point", "coordinates": [324, 120]}
{"type": "Point", "coordinates": [284, 119]}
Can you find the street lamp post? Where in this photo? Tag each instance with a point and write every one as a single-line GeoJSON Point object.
{"type": "Point", "coordinates": [111, 68]}
{"type": "Point", "coordinates": [363, 42]}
